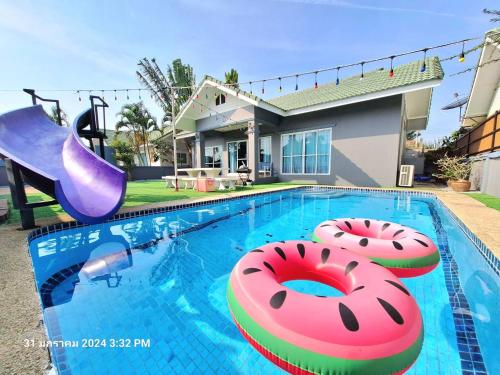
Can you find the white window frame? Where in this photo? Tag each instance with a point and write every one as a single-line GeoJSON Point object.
{"type": "Point", "coordinates": [222, 155]}
{"type": "Point", "coordinates": [227, 150]}
{"type": "Point", "coordinates": [304, 132]}
{"type": "Point", "coordinates": [270, 144]}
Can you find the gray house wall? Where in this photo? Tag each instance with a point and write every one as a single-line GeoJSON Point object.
{"type": "Point", "coordinates": [365, 142]}
{"type": "Point", "coordinates": [366, 139]}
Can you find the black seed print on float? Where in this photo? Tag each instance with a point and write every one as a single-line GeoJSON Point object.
{"type": "Point", "coordinates": [325, 225]}
{"type": "Point", "coordinates": [248, 271]}
{"type": "Point", "coordinates": [421, 242]}
{"type": "Point", "coordinates": [280, 252]}
{"type": "Point", "coordinates": [348, 318]}
{"type": "Point", "coordinates": [348, 225]}
{"type": "Point", "coordinates": [391, 310]}
{"type": "Point", "coordinates": [278, 299]}
{"type": "Point", "coordinates": [301, 249]}
{"type": "Point", "coordinates": [321, 296]}
{"type": "Point", "coordinates": [384, 227]}
{"type": "Point", "coordinates": [397, 245]}
{"type": "Point", "coordinates": [358, 288]}
{"type": "Point", "coordinates": [325, 254]}
{"type": "Point", "coordinates": [269, 267]}
{"type": "Point", "coordinates": [397, 232]}
{"type": "Point", "coordinates": [257, 251]}
{"type": "Point", "coordinates": [378, 264]}
{"type": "Point", "coordinates": [367, 223]}
{"type": "Point", "coordinates": [398, 286]}
{"type": "Point", "coordinates": [350, 266]}
{"type": "Point", "coordinates": [363, 242]}
{"type": "Point", "coordinates": [338, 234]}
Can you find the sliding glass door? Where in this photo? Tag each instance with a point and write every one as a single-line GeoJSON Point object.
{"type": "Point", "coordinates": [237, 155]}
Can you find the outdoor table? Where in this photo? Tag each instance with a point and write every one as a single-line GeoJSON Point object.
{"type": "Point", "coordinates": [196, 172]}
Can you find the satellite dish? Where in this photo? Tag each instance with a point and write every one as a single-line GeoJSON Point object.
{"type": "Point", "coordinates": [456, 103]}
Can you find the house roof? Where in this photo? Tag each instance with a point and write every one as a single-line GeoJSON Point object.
{"type": "Point", "coordinates": [353, 86]}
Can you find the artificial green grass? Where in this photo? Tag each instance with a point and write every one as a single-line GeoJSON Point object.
{"type": "Point", "coordinates": [138, 193]}
{"type": "Point", "coordinates": [487, 200]}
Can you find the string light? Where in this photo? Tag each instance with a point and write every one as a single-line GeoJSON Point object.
{"type": "Point", "coordinates": [461, 57]}
{"type": "Point", "coordinates": [337, 81]}
{"type": "Point", "coordinates": [115, 95]}
{"type": "Point", "coordinates": [251, 93]}
{"type": "Point", "coordinates": [263, 82]}
{"type": "Point", "coordinates": [280, 88]}
{"type": "Point", "coordinates": [102, 92]}
{"type": "Point", "coordinates": [424, 66]}
{"type": "Point", "coordinates": [362, 70]}
{"type": "Point", "coordinates": [127, 96]}
{"type": "Point", "coordinates": [296, 82]}
{"type": "Point", "coordinates": [79, 97]}
{"type": "Point", "coordinates": [316, 80]}
{"type": "Point", "coordinates": [391, 72]}
{"type": "Point", "coordinates": [140, 94]}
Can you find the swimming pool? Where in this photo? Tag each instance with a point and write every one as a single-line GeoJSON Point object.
{"type": "Point", "coordinates": [160, 307]}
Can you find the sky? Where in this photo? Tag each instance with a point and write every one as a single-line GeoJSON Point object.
{"type": "Point", "coordinates": [69, 45]}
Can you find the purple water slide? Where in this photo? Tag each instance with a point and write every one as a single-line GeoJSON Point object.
{"type": "Point", "coordinates": [56, 161]}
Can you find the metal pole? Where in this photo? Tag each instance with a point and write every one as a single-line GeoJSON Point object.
{"type": "Point", "coordinates": [172, 101]}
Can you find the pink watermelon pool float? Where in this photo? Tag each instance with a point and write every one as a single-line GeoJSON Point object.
{"type": "Point", "coordinates": [403, 250]}
{"type": "Point", "coordinates": [375, 328]}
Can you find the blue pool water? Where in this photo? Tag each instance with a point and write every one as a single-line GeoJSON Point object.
{"type": "Point", "coordinates": [168, 285]}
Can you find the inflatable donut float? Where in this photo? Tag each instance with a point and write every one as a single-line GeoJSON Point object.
{"type": "Point", "coordinates": [403, 250]}
{"type": "Point", "coordinates": [375, 328]}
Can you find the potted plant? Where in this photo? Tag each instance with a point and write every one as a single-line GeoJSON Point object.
{"type": "Point", "coordinates": [456, 171]}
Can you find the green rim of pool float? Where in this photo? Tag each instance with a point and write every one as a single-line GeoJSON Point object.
{"type": "Point", "coordinates": [416, 262]}
{"type": "Point", "coordinates": [315, 362]}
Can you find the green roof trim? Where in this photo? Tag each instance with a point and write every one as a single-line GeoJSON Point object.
{"type": "Point", "coordinates": [373, 81]}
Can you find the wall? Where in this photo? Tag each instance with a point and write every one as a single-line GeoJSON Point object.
{"type": "Point", "coordinates": [365, 142]}
{"type": "Point", "coordinates": [3, 174]}
{"type": "Point", "coordinates": [491, 176]}
{"type": "Point", "coordinates": [152, 173]}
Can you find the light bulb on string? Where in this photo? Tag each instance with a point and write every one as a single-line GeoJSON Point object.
{"type": "Point", "coordinates": [461, 57]}
{"type": "Point", "coordinates": [251, 93]}
{"type": "Point", "coordinates": [263, 83]}
{"type": "Point", "coordinates": [140, 94]}
{"type": "Point", "coordinates": [391, 72]}
{"type": "Point", "coordinates": [315, 80]}
{"type": "Point", "coordinates": [280, 88]}
{"type": "Point", "coordinates": [296, 82]}
{"type": "Point", "coordinates": [102, 92]}
{"type": "Point", "coordinates": [337, 81]}
{"type": "Point", "coordinates": [424, 66]}
{"type": "Point", "coordinates": [362, 71]}
{"type": "Point", "coordinates": [115, 94]}
{"type": "Point", "coordinates": [79, 97]}
{"type": "Point", "coordinates": [127, 95]}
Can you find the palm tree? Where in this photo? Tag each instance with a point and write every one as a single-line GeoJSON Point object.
{"type": "Point", "coordinates": [137, 123]}
{"type": "Point", "coordinates": [53, 116]}
{"type": "Point", "coordinates": [232, 78]}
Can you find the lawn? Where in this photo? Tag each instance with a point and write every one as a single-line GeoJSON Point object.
{"type": "Point", "coordinates": [138, 193]}
{"type": "Point", "coordinates": [487, 200]}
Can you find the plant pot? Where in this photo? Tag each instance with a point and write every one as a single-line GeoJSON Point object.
{"type": "Point", "coordinates": [460, 186]}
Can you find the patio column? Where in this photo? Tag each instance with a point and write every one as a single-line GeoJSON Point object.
{"type": "Point", "coordinates": [199, 149]}
{"type": "Point", "coordinates": [253, 149]}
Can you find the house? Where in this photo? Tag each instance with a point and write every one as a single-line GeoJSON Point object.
{"type": "Point", "coordinates": [481, 144]}
{"type": "Point", "coordinates": [351, 133]}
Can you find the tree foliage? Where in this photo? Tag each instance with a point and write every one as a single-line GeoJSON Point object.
{"type": "Point", "coordinates": [493, 12]}
{"type": "Point", "coordinates": [124, 153]}
{"type": "Point", "coordinates": [232, 78]}
{"type": "Point", "coordinates": [53, 116]}
{"type": "Point", "coordinates": [137, 124]}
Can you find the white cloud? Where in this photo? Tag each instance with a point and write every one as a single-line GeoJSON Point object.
{"type": "Point", "coordinates": [48, 29]}
{"type": "Point", "coordinates": [351, 5]}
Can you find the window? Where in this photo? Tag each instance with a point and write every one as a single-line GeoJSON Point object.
{"type": "Point", "coordinates": [181, 158]}
{"type": "Point", "coordinates": [237, 152]}
{"type": "Point", "coordinates": [213, 157]}
{"type": "Point", "coordinates": [220, 99]}
{"type": "Point", "coordinates": [306, 152]}
{"type": "Point", "coordinates": [265, 149]}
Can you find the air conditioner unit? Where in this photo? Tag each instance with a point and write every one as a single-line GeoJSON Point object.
{"type": "Point", "coordinates": [406, 175]}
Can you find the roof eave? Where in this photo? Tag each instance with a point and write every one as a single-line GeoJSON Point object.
{"type": "Point", "coordinates": [363, 98]}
